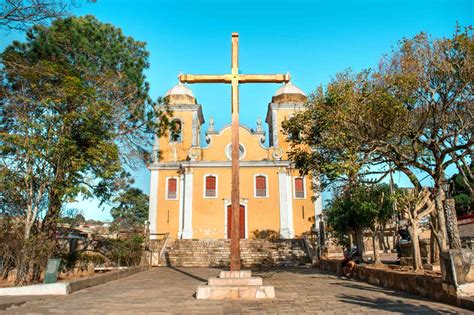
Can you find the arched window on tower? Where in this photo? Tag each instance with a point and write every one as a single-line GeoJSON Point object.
{"type": "Point", "coordinates": [176, 131]}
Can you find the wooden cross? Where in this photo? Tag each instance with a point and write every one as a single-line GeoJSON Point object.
{"type": "Point", "coordinates": [235, 78]}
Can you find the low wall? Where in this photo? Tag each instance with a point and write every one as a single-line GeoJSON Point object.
{"type": "Point", "coordinates": [423, 285]}
{"type": "Point", "coordinates": [83, 283]}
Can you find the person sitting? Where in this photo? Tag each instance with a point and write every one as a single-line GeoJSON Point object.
{"type": "Point", "coordinates": [351, 258]}
{"type": "Point", "coordinates": [403, 237]}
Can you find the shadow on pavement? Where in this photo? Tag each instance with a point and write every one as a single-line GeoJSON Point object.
{"type": "Point", "coordinates": [396, 306]}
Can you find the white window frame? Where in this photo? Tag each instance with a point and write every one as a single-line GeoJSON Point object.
{"type": "Point", "coordinates": [294, 187]}
{"type": "Point", "coordinates": [255, 186]}
{"type": "Point", "coordinates": [228, 153]}
{"type": "Point", "coordinates": [177, 187]}
{"type": "Point", "coordinates": [204, 186]}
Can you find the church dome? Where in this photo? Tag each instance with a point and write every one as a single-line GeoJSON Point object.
{"type": "Point", "coordinates": [289, 93]}
{"type": "Point", "coordinates": [180, 94]}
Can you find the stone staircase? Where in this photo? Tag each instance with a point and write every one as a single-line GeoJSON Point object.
{"type": "Point", "coordinates": [215, 253]}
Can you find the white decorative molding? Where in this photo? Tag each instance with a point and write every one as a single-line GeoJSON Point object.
{"type": "Point", "coordinates": [289, 211]}
{"type": "Point", "coordinates": [194, 153]}
{"type": "Point", "coordinates": [286, 226]}
{"type": "Point", "coordinates": [274, 129]}
{"type": "Point", "coordinates": [181, 207]}
{"type": "Point", "coordinates": [188, 205]}
{"type": "Point", "coordinates": [228, 152]}
{"type": "Point", "coordinates": [195, 134]}
{"type": "Point", "coordinates": [207, 164]}
{"type": "Point", "coordinates": [153, 206]}
{"type": "Point", "coordinates": [318, 202]}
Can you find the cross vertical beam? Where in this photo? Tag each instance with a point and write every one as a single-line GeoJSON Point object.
{"type": "Point", "coordinates": [234, 79]}
{"type": "Point", "coordinates": [235, 192]}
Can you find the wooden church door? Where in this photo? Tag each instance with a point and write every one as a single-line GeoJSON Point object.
{"type": "Point", "coordinates": [241, 221]}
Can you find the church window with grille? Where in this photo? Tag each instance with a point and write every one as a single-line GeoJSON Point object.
{"type": "Point", "coordinates": [210, 190]}
{"type": "Point", "coordinates": [260, 186]}
{"type": "Point", "coordinates": [172, 188]}
{"type": "Point", "coordinates": [299, 188]}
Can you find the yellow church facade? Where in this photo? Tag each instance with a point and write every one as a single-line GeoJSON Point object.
{"type": "Point", "coordinates": [190, 185]}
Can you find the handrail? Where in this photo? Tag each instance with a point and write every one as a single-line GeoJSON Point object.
{"type": "Point", "coordinates": [308, 248]}
{"type": "Point", "coordinates": [164, 243]}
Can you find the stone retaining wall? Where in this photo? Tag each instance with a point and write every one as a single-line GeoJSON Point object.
{"type": "Point", "coordinates": [215, 253]}
{"type": "Point", "coordinates": [423, 285]}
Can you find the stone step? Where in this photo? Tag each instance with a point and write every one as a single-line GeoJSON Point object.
{"type": "Point", "coordinates": [236, 281]}
{"type": "Point", "coordinates": [236, 274]}
{"type": "Point", "coordinates": [205, 253]}
{"type": "Point", "coordinates": [222, 292]}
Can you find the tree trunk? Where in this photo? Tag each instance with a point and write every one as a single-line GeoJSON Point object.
{"type": "Point", "coordinates": [375, 247]}
{"type": "Point", "coordinates": [360, 244]}
{"type": "Point", "coordinates": [50, 221]}
{"type": "Point", "coordinates": [434, 246]}
{"type": "Point", "coordinates": [454, 240]}
{"type": "Point", "coordinates": [439, 196]}
{"type": "Point", "coordinates": [413, 230]}
{"type": "Point", "coordinates": [395, 233]}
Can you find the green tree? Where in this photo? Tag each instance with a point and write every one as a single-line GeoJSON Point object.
{"type": "Point", "coordinates": [413, 115]}
{"type": "Point", "coordinates": [74, 107]}
{"type": "Point", "coordinates": [358, 208]}
{"type": "Point", "coordinates": [131, 209]}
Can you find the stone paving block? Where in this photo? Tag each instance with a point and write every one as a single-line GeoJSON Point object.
{"type": "Point", "coordinates": [171, 291]}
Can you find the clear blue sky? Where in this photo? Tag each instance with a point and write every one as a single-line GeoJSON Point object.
{"type": "Point", "coordinates": [313, 40]}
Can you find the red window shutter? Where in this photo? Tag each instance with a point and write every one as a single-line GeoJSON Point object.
{"type": "Point", "coordinates": [261, 186]}
{"type": "Point", "coordinates": [299, 188]}
{"type": "Point", "coordinates": [210, 186]}
{"type": "Point", "coordinates": [172, 188]}
{"type": "Point", "coordinates": [210, 182]}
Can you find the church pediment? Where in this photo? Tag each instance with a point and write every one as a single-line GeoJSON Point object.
{"type": "Point", "coordinates": [219, 146]}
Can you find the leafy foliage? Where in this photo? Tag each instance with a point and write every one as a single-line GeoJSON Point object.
{"type": "Point", "coordinates": [414, 115]}
{"type": "Point", "coordinates": [22, 14]}
{"type": "Point", "coordinates": [131, 210]}
{"type": "Point", "coordinates": [462, 192]}
{"type": "Point", "coordinates": [74, 108]}
{"type": "Point", "coordinates": [358, 208]}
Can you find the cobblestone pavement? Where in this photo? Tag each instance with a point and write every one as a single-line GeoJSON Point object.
{"type": "Point", "coordinates": [298, 291]}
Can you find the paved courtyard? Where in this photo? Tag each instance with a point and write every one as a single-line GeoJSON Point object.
{"type": "Point", "coordinates": [170, 291]}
